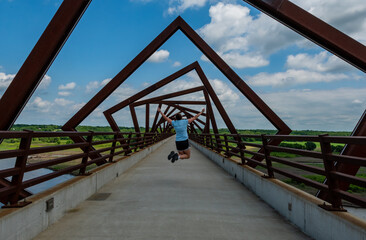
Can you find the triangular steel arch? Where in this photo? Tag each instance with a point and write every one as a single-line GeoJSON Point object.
{"type": "Point", "coordinates": [208, 92]}
{"type": "Point", "coordinates": [177, 24]}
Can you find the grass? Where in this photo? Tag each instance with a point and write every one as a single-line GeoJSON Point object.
{"type": "Point", "coordinates": [319, 178]}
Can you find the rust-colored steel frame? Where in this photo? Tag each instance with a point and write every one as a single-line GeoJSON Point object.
{"type": "Point", "coordinates": [14, 191]}
{"type": "Point", "coordinates": [181, 102]}
{"type": "Point", "coordinates": [155, 99]}
{"type": "Point", "coordinates": [194, 66]}
{"type": "Point", "coordinates": [176, 94]}
{"type": "Point", "coordinates": [178, 24]}
{"type": "Point", "coordinates": [314, 29]}
{"type": "Point", "coordinates": [39, 60]}
{"type": "Point", "coordinates": [208, 91]}
{"type": "Point", "coordinates": [332, 40]}
{"type": "Point", "coordinates": [186, 112]}
{"type": "Point", "coordinates": [70, 12]}
{"type": "Point", "coordinates": [182, 109]}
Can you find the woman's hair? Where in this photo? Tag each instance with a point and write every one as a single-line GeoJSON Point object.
{"type": "Point", "coordinates": [178, 116]}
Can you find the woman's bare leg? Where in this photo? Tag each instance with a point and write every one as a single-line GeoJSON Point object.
{"type": "Point", "coordinates": [185, 154]}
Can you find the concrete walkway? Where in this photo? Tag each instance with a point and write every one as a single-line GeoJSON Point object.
{"type": "Point", "coordinates": [190, 199]}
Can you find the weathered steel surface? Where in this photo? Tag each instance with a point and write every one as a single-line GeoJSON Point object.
{"type": "Point", "coordinates": [122, 76]}
{"type": "Point", "coordinates": [232, 76]}
{"type": "Point", "coordinates": [314, 29]}
{"type": "Point", "coordinates": [39, 60]}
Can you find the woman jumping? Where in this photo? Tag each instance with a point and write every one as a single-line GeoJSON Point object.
{"type": "Point", "coordinates": [181, 138]}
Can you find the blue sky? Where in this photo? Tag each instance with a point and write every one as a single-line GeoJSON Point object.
{"type": "Point", "coordinates": [306, 86]}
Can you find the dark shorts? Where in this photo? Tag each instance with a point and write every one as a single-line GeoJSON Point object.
{"type": "Point", "coordinates": [182, 145]}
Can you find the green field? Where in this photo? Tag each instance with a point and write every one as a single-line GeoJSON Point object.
{"type": "Point", "coordinates": [10, 144]}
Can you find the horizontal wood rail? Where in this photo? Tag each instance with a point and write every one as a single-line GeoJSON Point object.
{"type": "Point", "coordinates": [235, 145]}
{"type": "Point", "coordinates": [107, 144]}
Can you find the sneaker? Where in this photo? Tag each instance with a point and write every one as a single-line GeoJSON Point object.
{"type": "Point", "coordinates": [175, 157]}
{"type": "Point", "coordinates": [171, 155]}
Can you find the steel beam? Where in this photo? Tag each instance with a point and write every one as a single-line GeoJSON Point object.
{"type": "Point", "coordinates": [187, 110]}
{"type": "Point", "coordinates": [122, 76]}
{"type": "Point", "coordinates": [315, 30]}
{"type": "Point", "coordinates": [155, 119]}
{"type": "Point", "coordinates": [147, 118]}
{"type": "Point", "coordinates": [210, 114]}
{"type": "Point", "coordinates": [134, 119]}
{"type": "Point", "coordinates": [349, 150]}
{"type": "Point", "coordinates": [170, 95]}
{"type": "Point", "coordinates": [216, 100]}
{"type": "Point", "coordinates": [181, 102]}
{"type": "Point", "coordinates": [39, 60]}
{"type": "Point", "coordinates": [178, 23]}
{"type": "Point", "coordinates": [232, 76]}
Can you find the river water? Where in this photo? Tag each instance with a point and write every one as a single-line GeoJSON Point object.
{"type": "Point", "coordinates": [9, 163]}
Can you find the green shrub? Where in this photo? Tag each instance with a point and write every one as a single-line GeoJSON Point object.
{"type": "Point", "coordinates": [310, 146]}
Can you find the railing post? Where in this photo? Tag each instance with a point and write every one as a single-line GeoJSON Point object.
{"type": "Point", "coordinates": [20, 163]}
{"type": "Point", "coordinates": [129, 144]}
{"type": "Point", "coordinates": [84, 161]}
{"type": "Point", "coordinates": [329, 167]}
{"type": "Point", "coordinates": [145, 139]}
{"type": "Point", "coordinates": [241, 146]}
{"type": "Point", "coordinates": [113, 146]}
{"type": "Point", "coordinates": [217, 141]}
{"type": "Point", "coordinates": [211, 142]}
{"type": "Point", "coordinates": [267, 155]}
{"type": "Point", "coordinates": [226, 145]}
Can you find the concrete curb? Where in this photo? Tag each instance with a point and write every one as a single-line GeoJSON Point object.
{"type": "Point", "coordinates": [27, 222]}
{"type": "Point", "coordinates": [297, 206]}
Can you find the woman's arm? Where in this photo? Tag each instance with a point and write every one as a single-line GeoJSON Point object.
{"type": "Point", "coordinates": [165, 117]}
{"type": "Point", "coordinates": [195, 117]}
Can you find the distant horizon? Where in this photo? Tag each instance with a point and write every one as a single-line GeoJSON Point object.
{"type": "Point", "coordinates": [252, 129]}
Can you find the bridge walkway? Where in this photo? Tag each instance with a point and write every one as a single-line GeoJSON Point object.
{"type": "Point", "coordinates": [156, 199]}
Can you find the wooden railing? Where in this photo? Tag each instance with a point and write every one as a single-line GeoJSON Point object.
{"type": "Point", "coordinates": [235, 145]}
{"type": "Point", "coordinates": [13, 187]}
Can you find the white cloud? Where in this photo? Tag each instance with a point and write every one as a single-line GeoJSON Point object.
{"type": "Point", "coordinates": [68, 86]}
{"type": "Point", "coordinates": [337, 109]}
{"type": "Point", "coordinates": [5, 80]}
{"type": "Point", "coordinates": [46, 81]}
{"type": "Point", "coordinates": [179, 6]}
{"type": "Point", "coordinates": [64, 93]}
{"type": "Point", "coordinates": [226, 95]}
{"type": "Point", "coordinates": [224, 92]}
{"type": "Point", "coordinates": [63, 102]}
{"type": "Point", "coordinates": [241, 39]}
{"type": "Point", "coordinates": [321, 62]}
{"type": "Point", "coordinates": [40, 105]}
{"type": "Point", "coordinates": [159, 56]}
{"type": "Point", "coordinates": [123, 92]}
{"type": "Point", "coordinates": [305, 68]}
{"type": "Point", "coordinates": [250, 60]}
{"type": "Point", "coordinates": [294, 77]}
{"type": "Point", "coordinates": [348, 16]}
{"type": "Point", "coordinates": [177, 64]}
{"type": "Point", "coordinates": [120, 94]}
{"type": "Point", "coordinates": [356, 101]}
{"type": "Point", "coordinates": [239, 36]}
{"type": "Point", "coordinates": [105, 81]}
{"type": "Point", "coordinates": [78, 106]}
{"type": "Point", "coordinates": [91, 86]}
